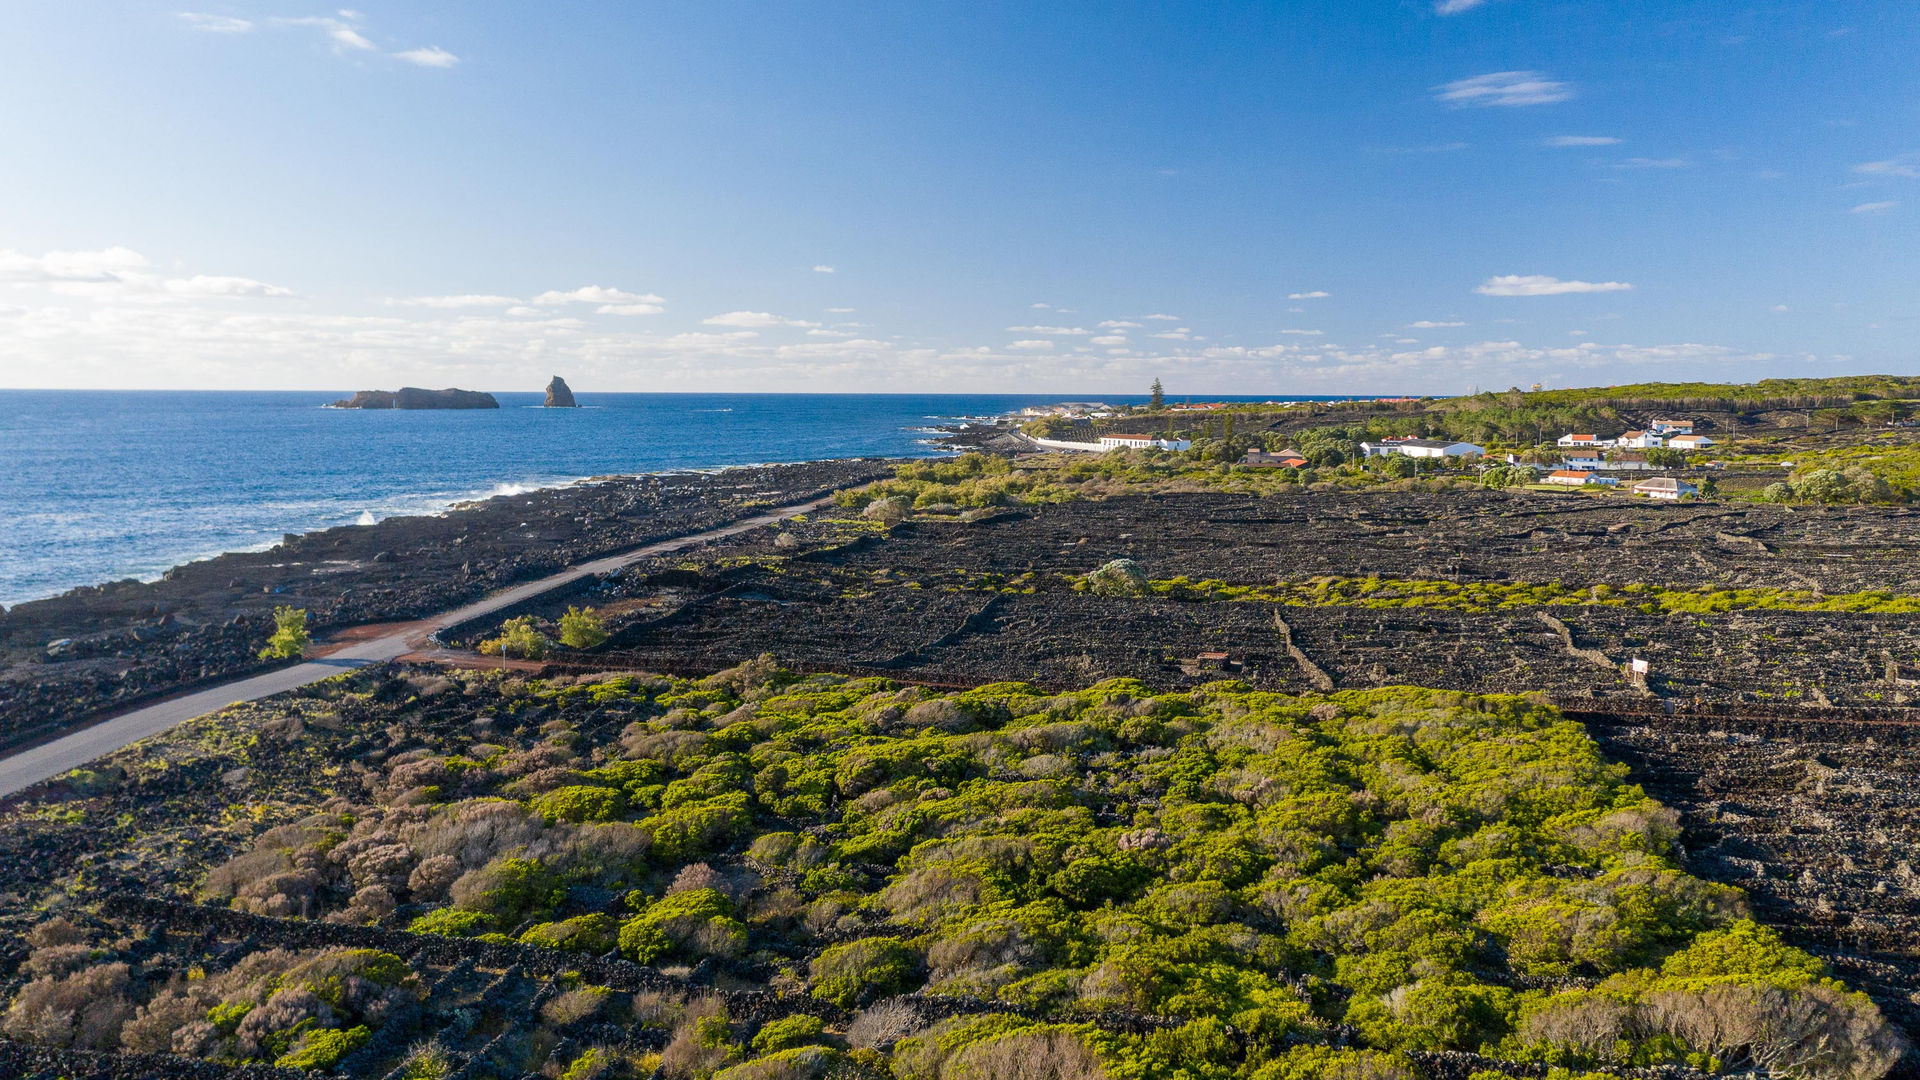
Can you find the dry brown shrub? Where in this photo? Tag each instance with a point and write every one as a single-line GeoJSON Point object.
{"type": "Point", "coordinates": [883, 1024]}
{"type": "Point", "coordinates": [56, 960]}
{"type": "Point", "coordinates": [151, 1031]}
{"type": "Point", "coordinates": [926, 894]}
{"type": "Point", "coordinates": [55, 931]}
{"type": "Point", "coordinates": [574, 1005]}
{"type": "Point", "coordinates": [430, 880]}
{"type": "Point", "coordinates": [475, 832]}
{"type": "Point", "coordinates": [685, 1056]}
{"type": "Point", "coordinates": [84, 1010]}
{"type": "Point", "coordinates": [1037, 1055]}
{"type": "Point", "coordinates": [278, 1013]}
{"type": "Point", "coordinates": [667, 747]}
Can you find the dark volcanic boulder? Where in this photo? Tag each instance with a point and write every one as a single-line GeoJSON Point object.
{"type": "Point", "coordinates": [412, 397]}
{"type": "Point", "coordinates": [559, 396]}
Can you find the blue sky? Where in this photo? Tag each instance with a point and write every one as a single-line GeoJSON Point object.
{"type": "Point", "coordinates": [967, 196]}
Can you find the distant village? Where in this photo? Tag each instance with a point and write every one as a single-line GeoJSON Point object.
{"type": "Point", "coordinates": [1586, 461]}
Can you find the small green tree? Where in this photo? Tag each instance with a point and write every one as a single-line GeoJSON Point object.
{"type": "Point", "coordinates": [1156, 397]}
{"type": "Point", "coordinates": [519, 638]}
{"type": "Point", "coordinates": [289, 638]}
{"type": "Point", "coordinates": [581, 628]}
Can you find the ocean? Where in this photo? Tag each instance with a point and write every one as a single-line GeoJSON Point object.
{"type": "Point", "coordinates": [98, 486]}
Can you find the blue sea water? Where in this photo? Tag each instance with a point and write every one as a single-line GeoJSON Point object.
{"type": "Point", "coordinates": [101, 485]}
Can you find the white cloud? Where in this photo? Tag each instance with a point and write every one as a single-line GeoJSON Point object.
{"type": "Point", "coordinates": [464, 300]}
{"type": "Point", "coordinates": [1874, 207]}
{"type": "Point", "coordinates": [1429, 324]}
{"type": "Point", "coordinates": [755, 319]}
{"type": "Point", "coordinates": [341, 32]}
{"type": "Point", "coordinates": [1455, 7]}
{"type": "Point", "coordinates": [823, 268]}
{"type": "Point", "coordinates": [1904, 166]}
{"type": "Point", "coordinates": [1031, 345]}
{"type": "Point", "coordinates": [1039, 306]}
{"type": "Point", "coordinates": [1173, 335]}
{"type": "Point", "coordinates": [1542, 285]}
{"type": "Point", "coordinates": [208, 286]}
{"type": "Point", "coordinates": [601, 294]}
{"type": "Point", "coordinates": [216, 24]}
{"type": "Point", "coordinates": [1055, 331]}
{"type": "Point", "coordinates": [433, 56]}
{"type": "Point", "coordinates": [1305, 333]}
{"type": "Point", "coordinates": [1109, 339]}
{"type": "Point", "coordinates": [840, 311]}
{"type": "Point", "coordinates": [1508, 88]}
{"type": "Point", "coordinates": [522, 309]}
{"type": "Point", "coordinates": [1582, 140]}
{"type": "Point", "coordinates": [1317, 294]}
{"type": "Point", "coordinates": [832, 333]}
{"type": "Point", "coordinates": [1653, 163]}
{"type": "Point", "coordinates": [119, 273]}
{"type": "Point", "coordinates": [1781, 308]}
{"type": "Point", "coordinates": [1162, 318]}
{"type": "Point", "coordinates": [628, 309]}
{"type": "Point", "coordinates": [1119, 324]}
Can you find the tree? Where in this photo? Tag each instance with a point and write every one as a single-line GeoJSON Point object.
{"type": "Point", "coordinates": [289, 638]}
{"type": "Point", "coordinates": [518, 638]}
{"type": "Point", "coordinates": [581, 628]}
{"type": "Point", "coordinates": [1157, 397]}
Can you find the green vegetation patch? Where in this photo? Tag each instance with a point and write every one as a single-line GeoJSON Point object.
{"type": "Point", "coordinates": [1481, 596]}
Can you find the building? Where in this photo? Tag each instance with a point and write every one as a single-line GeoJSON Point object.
{"type": "Point", "coordinates": [1628, 461]}
{"type": "Point", "coordinates": [1578, 478]}
{"type": "Point", "coordinates": [1689, 442]}
{"type": "Point", "coordinates": [1283, 459]}
{"type": "Point", "coordinates": [1588, 442]}
{"type": "Point", "coordinates": [1584, 459]}
{"type": "Point", "coordinates": [1143, 442]}
{"type": "Point", "coordinates": [1440, 448]}
{"type": "Point", "coordinates": [1671, 427]}
{"type": "Point", "coordinates": [1640, 440]}
{"type": "Point", "coordinates": [1665, 487]}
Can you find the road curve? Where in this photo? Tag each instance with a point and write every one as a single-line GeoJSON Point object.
{"type": "Point", "coordinates": [43, 762]}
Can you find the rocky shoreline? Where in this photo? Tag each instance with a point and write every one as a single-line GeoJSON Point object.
{"type": "Point", "coordinates": [102, 648]}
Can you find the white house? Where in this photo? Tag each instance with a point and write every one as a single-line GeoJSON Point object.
{"type": "Point", "coordinates": [1584, 441]}
{"type": "Point", "coordinates": [1640, 440]}
{"type": "Point", "coordinates": [1628, 461]}
{"type": "Point", "coordinates": [1143, 442]}
{"type": "Point", "coordinates": [1440, 448]}
{"type": "Point", "coordinates": [1665, 487]}
{"type": "Point", "coordinates": [1579, 478]}
{"type": "Point", "coordinates": [1671, 427]}
{"type": "Point", "coordinates": [1689, 442]}
{"type": "Point", "coordinates": [1584, 459]}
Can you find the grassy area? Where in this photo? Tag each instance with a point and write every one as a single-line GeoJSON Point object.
{"type": "Point", "coordinates": [1431, 870]}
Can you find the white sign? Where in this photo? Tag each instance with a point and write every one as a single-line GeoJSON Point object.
{"type": "Point", "coordinates": [1640, 667]}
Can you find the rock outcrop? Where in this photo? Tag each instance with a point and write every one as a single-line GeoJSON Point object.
{"type": "Point", "coordinates": [559, 396]}
{"type": "Point", "coordinates": [412, 397]}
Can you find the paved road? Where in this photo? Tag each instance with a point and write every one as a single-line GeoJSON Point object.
{"type": "Point", "coordinates": [43, 762]}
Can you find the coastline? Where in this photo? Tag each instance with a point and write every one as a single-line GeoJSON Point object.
{"type": "Point", "coordinates": [105, 647]}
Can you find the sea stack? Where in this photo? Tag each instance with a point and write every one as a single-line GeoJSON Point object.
{"type": "Point", "coordinates": [559, 396]}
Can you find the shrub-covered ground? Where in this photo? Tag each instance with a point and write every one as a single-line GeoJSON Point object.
{"type": "Point", "coordinates": [1107, 882]}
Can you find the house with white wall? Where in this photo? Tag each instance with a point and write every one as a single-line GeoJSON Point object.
{"type": "Point", "coordinates": [1689, 442]}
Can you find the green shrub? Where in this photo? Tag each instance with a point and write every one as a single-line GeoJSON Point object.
{"type": "Point", "coordinates": [581, 628]}
{"type": "Point", "coordinates": [583, 933]}
{"type": "Point", "coordinates": [579, 802]}
{"type": "Point", "coordinates": [519, 639]}
{"type": "Point", "coordinates": [786, 1033]}
{"type": "Point", "coordinates": [290, 639]}
{"type": "Point", "coordinates": [858, 972]}
{"type": "Point", "coordinates": [693, 924]}
{"type": "Point", "coordinates": [509, 890]}
{"type": "Point", "coordinates": [322, 1048]}
{"type": "Point", "coordinates": [449, 922]}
